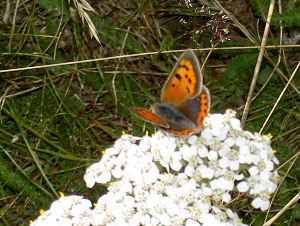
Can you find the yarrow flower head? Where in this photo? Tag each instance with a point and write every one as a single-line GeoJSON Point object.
{"type": "Point", "coordinates": [68, 211]}
{"type": "Point", "coordinates": [168, 180]}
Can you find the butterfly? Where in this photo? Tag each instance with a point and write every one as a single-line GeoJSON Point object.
{"type": "Point", "coordinates": [185, 101]}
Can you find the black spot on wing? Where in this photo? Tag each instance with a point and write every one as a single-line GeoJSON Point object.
{"type": "Point", "coordinates": [178, 76]}
{"type": "Point", "coordinates": [185, 67]}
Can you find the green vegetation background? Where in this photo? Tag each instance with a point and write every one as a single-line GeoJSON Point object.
{"type": "Point", "coordinates": [56, 121]}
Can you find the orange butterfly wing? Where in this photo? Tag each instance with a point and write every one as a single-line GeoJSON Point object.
{"type": "Point", "coordinates": [185, 80]}
{"type": "Point", "coordinates": [149, 116]}
{"type": "Point", "coordinates": [204, 106]}
{"type": "Point", "coordinates": [182, 132]}
{"type": "Point", "coordinates": [197, 108]}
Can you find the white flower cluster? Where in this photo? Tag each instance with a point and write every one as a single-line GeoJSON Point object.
{"type": "Point", "coordinates": [167, 180]}
{"type": "Point", "coordinates": [66, 211]}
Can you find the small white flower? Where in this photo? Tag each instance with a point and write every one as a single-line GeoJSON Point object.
{"type": "Point", "coordinates": [89, 180]}
{"type": "Point", "coordinates": [206, 191]}
{"type": "Point", "coordinates": [207, 135]}
{"type": "Point", "coordinates": [244, 154]}
{"type": "Point", "coordinates": [269, 165]}
{"type": "Point", "coordinates": [121, 186]}
{"type": "Point", "coordinates": [253, 170]}
{"type": "Point", "coordinates": [189, 153]}
{"type": "Point", "coordinates": [222, 183]}
{"type": "Point", "coordinates": [229, 141]}
{"type": "Point", "coordinates": [145, 219]}
{"type": "Point", "coordinates": [175, 163]}
{"type": "Point", "coordinates": [192, 139]}
{"type": "Point", "coordinates": [230, 213]}
{"type": "Point", "coordinates": [234, 165]}
{"type": "Point", "coordinates": [212, 155]}
{"type": "Point", "coordinates": [225, 151]}
{"type": "Point", "coordinates": [151, 175]}
{"type": "Point", "coordinates": [117, 172]}
{"type": "Point", "coordinates": [265, 175]}
{"type": "Point", "coordinates": [226, 198]}
{"type": "Point", "coordinates": [189, 170]}
{"type": "Point", "coordinates": [275, 160]}
{"type": "Point", "coordinates": [104, 177]}
{"type": "Point", "coordinates": [144, 145]}
{"type": "Point", "coordinates": [191, 222]}
{"type": "Point", "coordinates": [206, 172]}
{"type": "Point", "coordinates": [202, 151]}
{"type": "Point", "coordinates": [239, 176]}
{"type": "Point", "coordinates": [209, 219]}
{"type": "Point", "coordinates": [112, 151]}
{"type": "Point", "coordinates": [242, 186]}
{"type": "Point", "coordinates": [96, 173]}
{"type": "Point", "coordinates": [71, 210]}
{"type": "Point", "coordinates": [259, 203]}
{"type": "Point", "coordinates": [224, 162]}
{"type": "Point", "coordinates": [235, 123]}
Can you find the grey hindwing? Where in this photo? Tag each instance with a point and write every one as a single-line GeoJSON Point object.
{"type": "Point", "coordinates": [175, 118]}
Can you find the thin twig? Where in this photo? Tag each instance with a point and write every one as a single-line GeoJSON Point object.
{"type": "Point", "coordinates": [271, 221]}
{"type": "Point", "coordinates": [22, 92]}
{"type": "Point", "coordinates": [280, 71]}
{"type": "Point", "coordinates": [291, 166]}
{"type": "Point", "coordinates": [275, 67]}
{"type": "Point", "coordinates": [279, 98]}
{"type": "Point", "coordinates": [208, 55]}
{"type": "Point", "coordinates": [142, 54]}
{"type": "Point", "coordinates": [295, 156]}
{"type": "Point", "coordinates": [6, 12]}
{"type": "Point", "coordinates": [258, 63]}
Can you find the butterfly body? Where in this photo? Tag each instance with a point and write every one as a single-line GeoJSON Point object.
{"type": "Point", "coordinates": [184, 102]}
{"type": "Point", "coordinates": [173, 116]}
